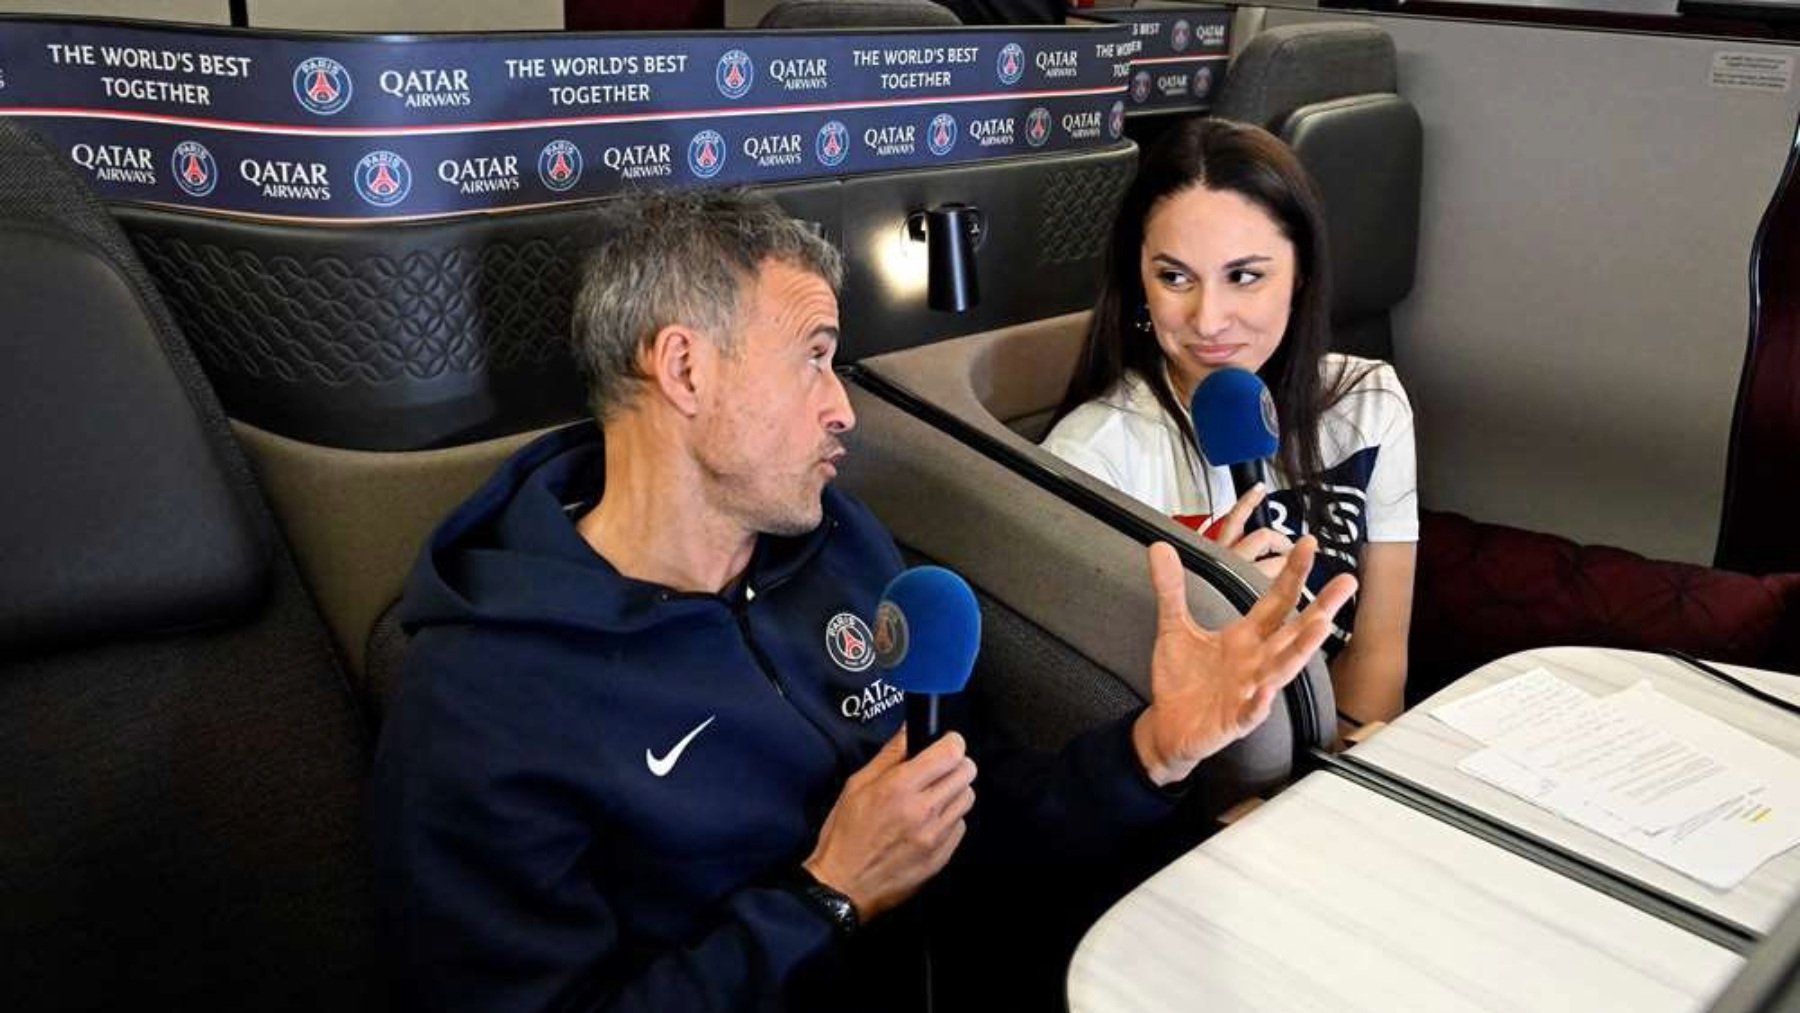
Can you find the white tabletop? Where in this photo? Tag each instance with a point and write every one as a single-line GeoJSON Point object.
{"type": "Point", "coordinates": [1425, 751]}
{"type": "Point", "coordinates": [1334, 898]}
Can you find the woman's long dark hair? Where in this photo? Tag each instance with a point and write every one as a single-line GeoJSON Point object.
{"type": "Point", "coordinates": [1221, 155]}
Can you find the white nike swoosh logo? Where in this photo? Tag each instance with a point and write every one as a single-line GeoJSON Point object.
{"type": "Point", "coordinates": [661, 765]}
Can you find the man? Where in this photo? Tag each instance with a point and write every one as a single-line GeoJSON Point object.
{"type": "Point", "coordinates": [618, 775]}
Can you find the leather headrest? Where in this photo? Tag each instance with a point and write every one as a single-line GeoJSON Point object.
{"type": "Point", "coordinates": [1367, 155]}
{"type": "Point", "coordinates": [858, 14]}
{"type": "Point", "coordinates": [1282, 69]}
{"type": "Point", "coordinates": [128, 511]}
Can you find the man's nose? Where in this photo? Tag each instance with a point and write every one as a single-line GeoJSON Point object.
{"type": "Point", "coordinates": [838, 417]}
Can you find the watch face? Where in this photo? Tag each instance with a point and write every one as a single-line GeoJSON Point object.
{"type": "Point", "coordinates": [835, 905]}
{"type": "Point", "coordinates": [840, 906]}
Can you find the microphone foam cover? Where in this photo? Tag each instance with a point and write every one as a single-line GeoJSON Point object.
{"type": "Point", "coordinates": [1234, 418]}
{"type": "Point", "coordinates": [928, 631]}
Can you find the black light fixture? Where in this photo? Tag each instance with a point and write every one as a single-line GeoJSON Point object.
{"type": "Point", "coordinates": [950, 232]}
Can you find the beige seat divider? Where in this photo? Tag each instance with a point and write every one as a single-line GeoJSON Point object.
{"type": "Point", "coordinates": [1076, 577]}
{"type": "Point", "coordinates": [357, 519]}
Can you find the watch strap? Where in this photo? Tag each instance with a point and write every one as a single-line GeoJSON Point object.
{"type": "Point", "coordinates": [837, 908]}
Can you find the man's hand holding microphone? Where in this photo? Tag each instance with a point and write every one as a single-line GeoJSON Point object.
{"type": "Point", "coordinates": [900, 818]}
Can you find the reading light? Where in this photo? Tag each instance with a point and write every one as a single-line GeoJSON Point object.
{"type": "Point", "coordinates": [950, 232]}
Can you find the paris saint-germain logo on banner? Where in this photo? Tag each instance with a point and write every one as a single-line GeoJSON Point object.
{"type": "Point", "coordinates": [1037, 127]}
{"type": "Point", "coordinates": [322, 86]}
{"type": "Point", "coordinates": [833, 144]}
{"type": "Point", "coordinates": [1140, 86]}
{"type": "Point", "coordinates": [1011, 63]}
{"type": "Point", "coordinates": [706, 154]}
{"type": "Point", "coordinates": [559, 166]}
{"type": "Point", "coordinates": [1115, 120]}
{"type": "Point", "coordinates": [736, 74]}
{"type": "Point", "coordinates": [940, 136]}
{"type": "Point", "coordinates": [1180, 35]}
{"type": "Point", "coordinates": [1202, 82]}
{"type": "Point", "coordinates": [194, 169]}
{"type": "Point", "coordinates": [383, 178]}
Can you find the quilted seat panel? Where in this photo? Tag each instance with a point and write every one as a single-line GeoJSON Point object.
{"type": "Point", "coordinates": [1484, 591]}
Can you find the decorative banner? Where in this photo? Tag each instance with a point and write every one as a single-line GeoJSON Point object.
{"type": "Point", "coordinates": [343, 128]}
{"type": "Point", "coordinates": [1182, 53]}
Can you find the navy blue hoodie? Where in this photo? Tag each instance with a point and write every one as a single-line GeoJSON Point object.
{"type": "Point", "coordinates": [590, 787]}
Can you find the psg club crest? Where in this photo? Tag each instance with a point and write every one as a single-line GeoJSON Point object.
{"type": "Point", "coordinates": [559, 166]}
{"type": "Point", "coordinates": [706, 154]}
{"type": "Point", "coordinates": [194, 169]}
{"type": "Point", "coordinates": [1115, 120]}
{"type": "Point", "coordinates": [1270, 420]}
{"type": "Point", "coordinates": [940, 136]}
{"type": "Point", "coordinates": [848, 641]}
{"type": "Point", "coordinates": [322, 86]}
{"type": "Point", "coordinates": [383, 178]}
{"type": "Point", "coordinates": [735, 75]}
{"type": "Point", "coordinates": [1202, 82]}
{"type": "Point", "coordinates": [833, 144]}
{"type": "Point", "coordinates": [892, 637]}
{"type": "Point", "coordinates": [1010, 65]}
{"type": "Point", "coordinates": [1180, 36]}
{"type": "Point", "coordinates": [1037, 127]}
{"type": "Point", "coordinates": [1140, 87]}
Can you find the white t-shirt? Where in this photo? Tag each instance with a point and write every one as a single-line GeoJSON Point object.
{"type": "Point", "coordinates": [1126, 440]}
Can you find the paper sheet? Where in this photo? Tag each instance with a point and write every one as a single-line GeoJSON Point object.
{"type": "Point", "coordinates": [1535, 696]}
{"type": "Point", "coordinates": [1636, 768]}
{"type": "Point", "coordinates": [1668, 781]}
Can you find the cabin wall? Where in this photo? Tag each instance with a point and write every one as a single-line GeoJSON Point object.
{"type": "Point", "coordinates": [1574, 341]}
{"type": "Point", "coordinates": [205, 12]}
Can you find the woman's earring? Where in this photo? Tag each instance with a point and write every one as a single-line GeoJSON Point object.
{"type": "Point", "coordinates": [1144, 323]}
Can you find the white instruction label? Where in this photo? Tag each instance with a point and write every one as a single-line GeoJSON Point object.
{"type": "Point", "coordinates": [1751, 71]}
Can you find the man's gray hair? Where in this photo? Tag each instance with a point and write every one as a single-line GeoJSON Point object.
{"type": "Point", "coordinates": [678, 258]}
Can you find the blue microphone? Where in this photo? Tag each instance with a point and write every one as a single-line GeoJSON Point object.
{"type": "Point", "coordinates": [927, 633]}
{"type": "Point", "coordinates": [1236, 427]}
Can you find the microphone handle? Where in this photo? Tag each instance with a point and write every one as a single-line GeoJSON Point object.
{"type": "Point", "coordinates": [1245, 474]}
{"type": "Point", "coordinates": [922, 728]}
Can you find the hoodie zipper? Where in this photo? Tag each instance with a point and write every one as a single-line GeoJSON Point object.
{"type": "Point", "coordinates": [740, 610]}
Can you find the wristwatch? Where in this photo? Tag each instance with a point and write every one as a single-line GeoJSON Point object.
{"type": "Point", "coordinates": [837, 908]}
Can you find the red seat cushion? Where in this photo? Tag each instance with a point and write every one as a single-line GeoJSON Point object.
{"type": "Point", "coordinates": [1484, 591]}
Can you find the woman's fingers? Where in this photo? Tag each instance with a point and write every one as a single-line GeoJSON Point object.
{"type": "Point", "coordinates": [1261, 543]}
{"type": "Point", "coordinates": [1231, 527]}
{"type": "Point", "coordinates": [1277, 603]}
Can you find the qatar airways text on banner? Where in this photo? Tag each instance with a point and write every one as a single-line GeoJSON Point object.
{"type": "Point", "coordinates": [348, 128]}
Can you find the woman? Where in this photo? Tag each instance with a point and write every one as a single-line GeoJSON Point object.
{"type": "Point", "coordinates": [1218, 258]}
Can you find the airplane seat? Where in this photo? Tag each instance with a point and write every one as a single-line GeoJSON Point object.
{"type": "Point", "coordinates": [1330, 90]}
{"type": "Point", "coordinates": [1484, 591]}
{"type": "Point", "coordinates": [383, 660]}
{"type": "Point", "coordinates": [800, 14]}
{"type": "Point", "coordinates": [182, 827]}
{"type": "Point", "coordinates": [1018, 374]}
{"type": "Point", "coordinates": [356, 520]}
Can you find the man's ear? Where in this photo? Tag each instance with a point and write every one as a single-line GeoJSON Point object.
{"type": "Point", "coordinates": [678, 363]}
